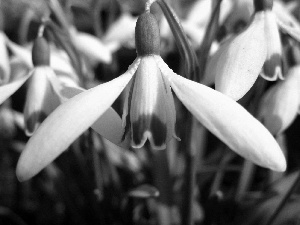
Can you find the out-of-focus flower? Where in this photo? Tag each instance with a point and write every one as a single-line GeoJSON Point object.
{"type": "Point", "coordinates": [66, 86]}
{"type": "Point", "coordinates": [91, 47]}
{"type": "Point", "coordinates": [121, 32]}
{"type": "Point", "coordinates": [149, 112]}
{"type": "Point", "coordinates": [256, 50]}
{"type": "Point", "coordinates": [239, 16]}
{"type": "Point", "coordinates": [280, 104]}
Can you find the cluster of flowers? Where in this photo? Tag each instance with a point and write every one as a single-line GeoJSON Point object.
{"type": "Point", "coordinates": [57, 110]}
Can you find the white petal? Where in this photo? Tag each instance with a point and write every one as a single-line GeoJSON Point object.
{"type": "Point", "coordinates": [91, 47]}
{"type": "Point", "coordinates": [279, 105]}
{"type": "Point", "coordinates": [150, 112]}
{"type": "Point", "coordinates": [66, 124]}
{"type": "Point", "coordinates": [273, 64]}
{"type": "Point", "coordinates": [60, 62]}
{"type": "Point", "coordinates": [41, 99]}
{"type": "Point", "coordinates": [242, 60]}
{"type": "Point", "coordinates": [109, 125]}
{"type": "Point", "coordinates": [230, 122]}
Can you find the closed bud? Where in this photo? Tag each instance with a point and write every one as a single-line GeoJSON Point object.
{"type": "Point", "coordinates": [261, 5]}
{"type": "Point", "coordinates": [40, 52]}
{"type": "Point", "coordinates": [147, 38]}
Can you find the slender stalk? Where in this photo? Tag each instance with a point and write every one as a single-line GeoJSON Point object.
{"type": "Point", "coordinates": [189, 175]}
{"type": "Point", "coordinates": [245, 179]}
{"type": "Point", "coordinates": [208, 39]}
{"type": "Point", "coordinates": [284, 200]}
{"type": "Point", "coordinates": [97, 171]}
{"type": "Point", "coordinates": [163, 182]}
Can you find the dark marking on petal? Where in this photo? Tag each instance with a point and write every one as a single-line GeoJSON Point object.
{"type": "Point", "coordinates": [33, 120]}
{"type": "Point", "coordinates": [153, 125]}
{"type": "Point", "coordinates": [159, 131]}
{"type": "Point", "coordinates": [271, 64]}
{"type": "Point", "coordinates": [128, 123]}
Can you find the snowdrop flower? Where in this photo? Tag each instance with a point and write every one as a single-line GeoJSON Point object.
{"type": "Point", "coordinates": [257, 49]}
{"type": "Point", "coordinates": [149, 112]}
{"type": "Point", "coordinates": [42, 94]}
{"type": "Point", "coordinates": [280, 104]}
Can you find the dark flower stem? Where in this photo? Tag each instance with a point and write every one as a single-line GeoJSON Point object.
{"type": "Point", "coordinates": [284, 200]}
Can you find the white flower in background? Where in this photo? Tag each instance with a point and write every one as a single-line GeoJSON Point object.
{"type": "Point", "coordinates": [149, 112]}
{"type": "Point", "coordinates": [280, 104]}
{"type": "Point", "coordinates": [91, 47]}
{"type": "Point", "coordinates": [121, 32]}
{"type": "Point", "coordinates": [256, 50]}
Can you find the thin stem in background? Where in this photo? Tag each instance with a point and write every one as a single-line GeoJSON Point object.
{"type": "Point", "coordinates": [163, 182]}
{"type": "Point", "coordinates": [208, 38]}
{"type": "Point", "coordinates": [284, 200]}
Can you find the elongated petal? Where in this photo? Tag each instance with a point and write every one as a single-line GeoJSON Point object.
{"type": "Point", "coordinates": [279, 105]}
{"type": "Point", "coordinates": [41, 99]}
{"type": "Point", "coordinates": [8, 89]}
{"type": "Point", "coordinates": [230, 122]}
{"type": "Point", "coordinates": [242, 60]}
{"type": "Point", "coordinates": [91, 47]}
{"type": "Point", "coordinates": [273, 65]}
{"type": "Point", "coordinates": [109, 125]}
{"type": "Point", "coordinates": [66, 124]}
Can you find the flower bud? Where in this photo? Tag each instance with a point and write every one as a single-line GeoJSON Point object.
{"type": "Point", "coordinates": [40, 52]}
{"type": "Point", "coordinates": [261, 5]}
{"type": "Point", "coordinates": [147, 38]}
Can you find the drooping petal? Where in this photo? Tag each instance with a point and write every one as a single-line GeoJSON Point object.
{"type": "Point", "coordinates": [242, 60]}
{"type": "Point", "coordinates": [149, 110]}
{"type": "Point", "coordinates": [272, 69]}
{"type": "Point", "coordinates": [109, 125]}
{"type": "Point", "coordinates": [41, 99]}
{"type": "Point", "coordinates": [279, 105]}
{"type": "Point", "coordinates": [8, 89]}
{"type": "Point", "coordinates": [230, 122]}
{"type": "Point", "coordinates": [91, 47]}
{"type": "Point", "coordinates": [66, 124]}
